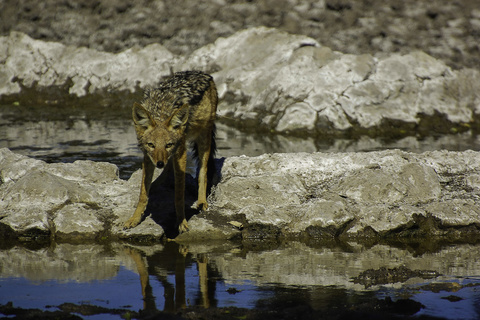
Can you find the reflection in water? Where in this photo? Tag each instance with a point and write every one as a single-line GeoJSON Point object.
{"type": "Point", "coordinates": [174, 259]}
{"type": "Point", "coordinates": [172, 277]}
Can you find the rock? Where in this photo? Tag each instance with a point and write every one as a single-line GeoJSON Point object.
{"type": "Point", "coordinates": [384, 191]}
{"type": "Point", "coordinates": [295, 84]}
{"type": "Point", "coordinates": [446, 30]}
{"type": "Point", "coordinates": [267, 79]}
{"type": "Point", "coordinates": [320, 195]}
{"type": "Point", "coordinates": [53, 198]}
{"type": "Point", "coordinates": [81, 200]}
{"type": "Point", "coordinates": [30, 63]}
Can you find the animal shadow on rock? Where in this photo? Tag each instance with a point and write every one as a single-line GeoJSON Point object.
{"type": "Point", "coordinates": [161, 199]}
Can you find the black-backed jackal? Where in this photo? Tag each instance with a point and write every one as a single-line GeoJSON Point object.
{"type": "Point", "coordinates": [181, 110]}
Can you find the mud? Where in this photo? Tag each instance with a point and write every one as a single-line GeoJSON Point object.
{"type": "Point", "coordinates": [287, 309]}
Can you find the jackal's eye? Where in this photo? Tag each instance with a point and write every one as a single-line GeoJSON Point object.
{"type": "Point", "coordinates": [151, 145]}
{"type": "Point", "coordinates": [169, 145]}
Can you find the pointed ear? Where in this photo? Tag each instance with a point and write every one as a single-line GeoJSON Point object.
{"type": "Point", "coordinates": [179, 117]}
{"type": "Point", "coordinates": [141, 117]}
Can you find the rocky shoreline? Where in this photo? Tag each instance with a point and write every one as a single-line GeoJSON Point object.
{"type": "Point", "coordinates": [375, 195]}
{"type": "Point", "coordinates": [267, 80]}
{"type": "Point", "coordinates": [334, 68]}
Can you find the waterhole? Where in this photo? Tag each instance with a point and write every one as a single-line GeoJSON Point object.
{"type": "Point", "coordinates": [223, 280]}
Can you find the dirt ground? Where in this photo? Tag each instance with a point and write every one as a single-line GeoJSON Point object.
{"type": "Point", "coordinates": [445, 29]}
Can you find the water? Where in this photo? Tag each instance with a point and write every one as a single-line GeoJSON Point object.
{"type": "Point", "coordinates": [277, 278]}
{"type": "Point", "coordinates": [220, 275]}
{"type": "Point", "coordinates": [57, 134]}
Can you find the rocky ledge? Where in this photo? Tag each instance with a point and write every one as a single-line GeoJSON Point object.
{"type": "Point", "coordinates": [267, 79]}
{"type": "Point", "coordinates": [380, 195]}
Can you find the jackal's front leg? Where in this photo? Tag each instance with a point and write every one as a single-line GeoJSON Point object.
{"type": "Point", "coordinates": [180, 165]}
{"type": "Point", "coordinates": [204, 149]}
{"type": "Point", "coordinates": [147, 174]}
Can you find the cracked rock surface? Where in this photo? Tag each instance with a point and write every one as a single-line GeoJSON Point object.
{"type": "Point", "coordinates": [291, 83]}
{"type": "Point", "coordinates": [379, 195]}
{"type": "Point", "coordinates": [267, 79]}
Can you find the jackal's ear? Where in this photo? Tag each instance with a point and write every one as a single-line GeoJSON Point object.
{"type": "Point", "coordinates": [141, 117]}
{"type": "Point", "coordinates": [179, 117]}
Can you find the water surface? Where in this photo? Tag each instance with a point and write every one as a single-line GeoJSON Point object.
{"type": "Point", "coordinates": [292, 277]}
{"type": "Point", "coordinates": [170, 277]}
{"type": "Point", "coordinates": [60, 134]}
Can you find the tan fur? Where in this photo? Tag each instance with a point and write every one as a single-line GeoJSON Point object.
{"type": "Point", "coordinates": [183, 109]}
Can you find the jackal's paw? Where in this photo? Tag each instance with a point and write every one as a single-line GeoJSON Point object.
{"type": "Point", "coordinates": [131, 223]}
{"type": "Point", "coordinates": [200, 205]}
{"type": "Point", "coordinates": [183, 226]}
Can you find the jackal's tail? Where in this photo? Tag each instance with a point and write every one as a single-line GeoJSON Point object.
{"type": "Point", "coordinates": [211, 169]}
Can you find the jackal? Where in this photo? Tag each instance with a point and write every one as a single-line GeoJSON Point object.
{"type": "Point", "coordinates": [181, 110]}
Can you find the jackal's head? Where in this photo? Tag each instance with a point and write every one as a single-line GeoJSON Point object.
{"type": "Point", "coordinates": [159, 139]}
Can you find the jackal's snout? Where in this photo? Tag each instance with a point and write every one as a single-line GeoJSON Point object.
{"type": "Point", "coordinates": [160, 164]}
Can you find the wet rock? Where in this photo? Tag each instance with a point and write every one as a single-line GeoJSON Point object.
{"type": "Point", "coordinates": [11, 311]}
{"type": "Point", "coordinates": [388, 194]}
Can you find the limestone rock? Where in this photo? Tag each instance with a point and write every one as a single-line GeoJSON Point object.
{"type": "Point", "coordinates": [321, 195]}
{"type": "Point", "coordinates": [381, 191]}
{"type": "Point", "coordinates": [267, 79]}
{"type": "Point", "coordinates": [291, 83]}
{"type": "Point", "coordinates": [32, 62]}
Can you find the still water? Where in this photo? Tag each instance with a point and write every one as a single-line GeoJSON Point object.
{"type": "Point", "coordinates": [106, 281]}
{"type": "Point", "coordinates": [57, 134]}
{"type": "Point", "coordinates": [169, 277]}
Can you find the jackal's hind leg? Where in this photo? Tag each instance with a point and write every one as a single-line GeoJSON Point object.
{"type": "Point", "coordinates": [147, 174]}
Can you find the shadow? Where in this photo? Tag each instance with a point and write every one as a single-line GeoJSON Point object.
{"type": "Point", "coordinates": [173, 259]}
{"type": "Point", "coordinates": [161, 204]}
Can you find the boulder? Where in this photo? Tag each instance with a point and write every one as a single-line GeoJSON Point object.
{"type": "Point", "coordinates": [290, 83]}
{"type": "Point", "coordinates": [386, 194]}
{"type": "Point", "coordinates": [80, 71]}
{"type": "Point", "coordinates": [267, 79]}
{"type": "Point", "coordinates": [379, 195]}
